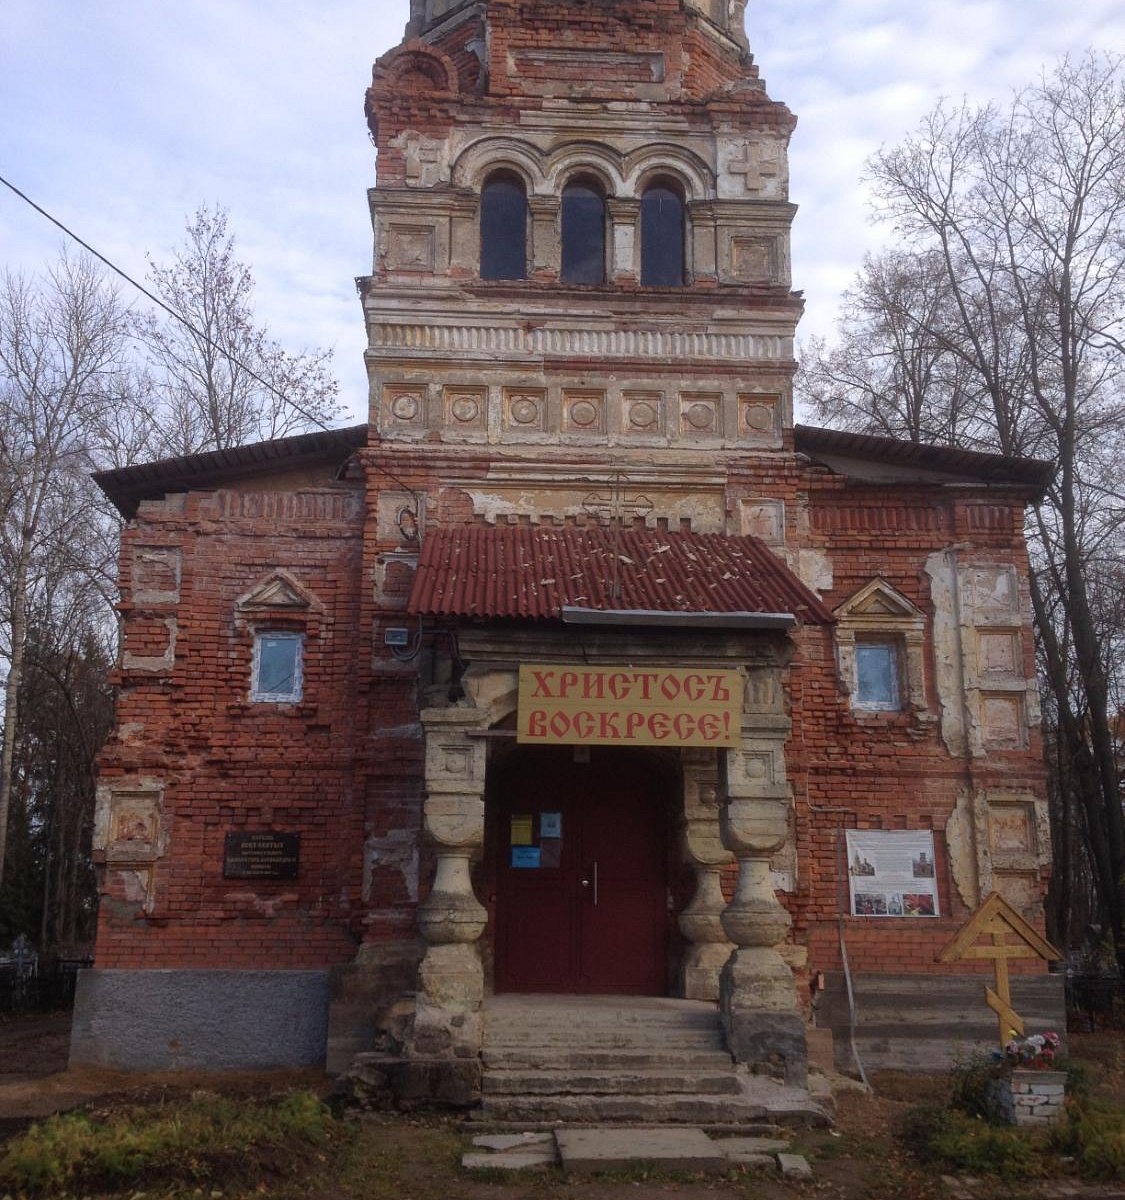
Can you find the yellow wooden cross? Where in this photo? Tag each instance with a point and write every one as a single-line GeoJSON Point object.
{"type": "Point", "coordinates": [998, 920]}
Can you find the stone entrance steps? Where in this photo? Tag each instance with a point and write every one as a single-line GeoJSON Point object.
{"type": "Point", "coordinates": [622, 1059]}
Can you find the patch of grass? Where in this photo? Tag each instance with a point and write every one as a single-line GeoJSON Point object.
{"type": "Point", "coordinates": [954, 1141]}
{"type": "Point", "coordinates": [1094, 1134]}
{"type": "Point", "coordinates": [204, 1139]}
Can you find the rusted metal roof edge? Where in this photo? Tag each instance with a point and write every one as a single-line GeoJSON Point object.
{"type": "Point", "coordinates": [989, 468]}
{"type": "Point", "coordinates": [126, 487]}
{"type": "Point", "coordinates": [466, 571]}
{"type": "Point", "coordinates": [572, 615]}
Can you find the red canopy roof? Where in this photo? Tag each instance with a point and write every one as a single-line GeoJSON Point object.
{"type": "Point", "coordinates": [534, 571]}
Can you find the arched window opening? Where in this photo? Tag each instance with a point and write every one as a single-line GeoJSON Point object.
{"type": "Point", "coordinates": [503, 227]}
{"type": "Point", "coordinates": [662, 236]}
{"type": "Point", "coordinates": [583, 233]}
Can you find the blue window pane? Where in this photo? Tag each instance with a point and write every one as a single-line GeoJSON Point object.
{"type": "Point", "coordinates": [503, 228]}
{"type": "Point", "coordinates": [278, 673]}
{"type": "Point", "coordinates": [876, 667]}
{"type": "Point", "coordinates": [662, 237]}
{"type": "Point", "coordinates": [583, 234]}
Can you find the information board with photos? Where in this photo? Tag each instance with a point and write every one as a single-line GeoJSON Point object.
{"type": "Point", "coordinates": [891, 873]}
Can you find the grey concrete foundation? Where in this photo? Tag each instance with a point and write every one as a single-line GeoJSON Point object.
{"type": "Point", "coordinates": [926, 1022]}
{"type": "Point", "coordinates": [200, 1020]}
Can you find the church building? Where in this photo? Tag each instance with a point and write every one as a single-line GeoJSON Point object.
{"type": "Point", "coordinates": [580, 669]}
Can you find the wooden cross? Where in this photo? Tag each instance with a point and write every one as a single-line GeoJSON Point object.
{"type": "Point", "coordinates": [998, 920]}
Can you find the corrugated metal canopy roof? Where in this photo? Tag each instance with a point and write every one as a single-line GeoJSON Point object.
{"type": "Point", "coordinates": [532, 572]}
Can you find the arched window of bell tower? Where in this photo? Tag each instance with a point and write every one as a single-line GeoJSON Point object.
{"type": "Point", "coordinates": [503, 227]}
{"type": "Point", "coordinates": [583, 231]}
{"type": "Point", "coordinates": [662, 235]}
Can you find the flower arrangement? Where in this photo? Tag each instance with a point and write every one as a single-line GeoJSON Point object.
{"type": "Point", "coordinates": [1035, 1053]}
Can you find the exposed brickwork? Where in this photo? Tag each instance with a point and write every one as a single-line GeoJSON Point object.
{"type": "Point", "coordinates": [226, 764]}
{"type": "Point", "coordinates": [344, 767]}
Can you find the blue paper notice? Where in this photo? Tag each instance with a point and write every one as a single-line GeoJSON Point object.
{"type": "Point", "coordinates": [525, 856]}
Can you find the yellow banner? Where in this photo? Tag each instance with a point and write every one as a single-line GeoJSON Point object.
{"type": "Point", "coordinates": [629, 706]}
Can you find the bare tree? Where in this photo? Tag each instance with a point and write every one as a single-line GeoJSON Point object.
{"type": "Point", "coordinates": [1015, 222]}
{"type": "Point", "coordinates": [891, 373]}
{"type": "Point", "coordinates": [63, 344]}
{"type": "Point", "coordinates": [219, 378]}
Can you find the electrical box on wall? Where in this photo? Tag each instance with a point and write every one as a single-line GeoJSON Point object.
{"type": "Point", "coordinates": [396, 636]}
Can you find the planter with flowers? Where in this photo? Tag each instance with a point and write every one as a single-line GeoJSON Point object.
{"type": "Point", "coordinates": [1028, 1090]}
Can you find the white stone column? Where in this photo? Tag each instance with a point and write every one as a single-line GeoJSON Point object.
{"type": "Point", "coordinates": [624, 240]}
{"type": "Point", "coordinates": [701, 921]}
{"type": "Point", "coordinates": [447, 1019]}
{"type": "Point", "coordinates": [546, 239]}
{"type": "Point", "coordinates": [758, 999]}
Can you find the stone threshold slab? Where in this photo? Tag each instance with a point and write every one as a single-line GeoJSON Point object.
{"type": "Point", "coordinates": [669, 1148]}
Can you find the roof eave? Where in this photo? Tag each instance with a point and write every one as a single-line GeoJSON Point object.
{"type": "Point", "coordinates": [126, 487]}
{"type": "Point", "coordinates": [572, 615]}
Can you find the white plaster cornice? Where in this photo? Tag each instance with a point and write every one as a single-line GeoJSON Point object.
{"type": "Point", "coordinates": [486, 340]}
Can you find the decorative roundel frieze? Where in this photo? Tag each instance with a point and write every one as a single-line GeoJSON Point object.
{"type": "Point", "coordinates": [525, 410]}
{"type": "Point", "coordinates": [700, 416]}
{"type": "Point", "coordinates": [643, 415]}
{"type": "Point", "coordinates": [759, 417]}
{"type": "Point", "coordinates": [583, 413]}
{"type": "Point", "coordinates": [405, 407]}
{"type": "Point", "coordinates": [465, 409]}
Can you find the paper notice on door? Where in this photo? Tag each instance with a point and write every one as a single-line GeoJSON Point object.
{"type": "Point", "coordinates": [550, 825]}
{"type": "Point", "coordinates": [551, 852]}
{"type": "Point", "coordinates": [522, 830]}
{"type": "Point", "coordinates": [525, 856]}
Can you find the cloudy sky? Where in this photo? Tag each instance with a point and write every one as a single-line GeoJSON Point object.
{"type": "Point", "coordinates": [122, 116]}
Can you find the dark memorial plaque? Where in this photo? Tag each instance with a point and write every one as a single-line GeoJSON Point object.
{"type": "Point", "coordinates": [261, 855]}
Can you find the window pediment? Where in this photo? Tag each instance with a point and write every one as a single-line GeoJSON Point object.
{"type": "Point", "coordinates": [881, 603]}
{"type": "Point", "coordinates": [880, 638]}
{"type": "Point", "coordinates": [279, 594]}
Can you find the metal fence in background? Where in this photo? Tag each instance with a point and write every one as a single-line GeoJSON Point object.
{"type": "Point", "coordinates": [1094, 1002]}
{"type": "Point", "coordinates": [43, 990]}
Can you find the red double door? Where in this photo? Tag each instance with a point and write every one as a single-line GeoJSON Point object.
{"type": "Point", "coordinates": [581, 901]}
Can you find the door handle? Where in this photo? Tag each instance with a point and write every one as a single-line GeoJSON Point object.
{"type": "Point", "coordinates": [587, 882]}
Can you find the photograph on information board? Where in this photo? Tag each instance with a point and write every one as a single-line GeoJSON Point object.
{"type": "Point", "coordinates": [891, 873]}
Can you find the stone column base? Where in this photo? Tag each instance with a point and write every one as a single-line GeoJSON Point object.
{"type": "Point", "coordinates": [701, 969]}
{"type": "Point", "coordinates": [763, 1027]}
{"type": "Point", "coordinates": [448, 1022]}
{"type": "Point", "coordinates": [384, 1082]}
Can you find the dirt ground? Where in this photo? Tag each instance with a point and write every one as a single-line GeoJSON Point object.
{"type": "Point", "coordinates": [417, 1158]}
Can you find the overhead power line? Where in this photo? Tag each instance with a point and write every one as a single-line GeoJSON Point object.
{"type": "Point", "coordinates": [315, 420]}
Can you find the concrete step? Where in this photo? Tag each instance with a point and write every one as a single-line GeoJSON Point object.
{"type": "Point", "coordinates": [607, 1083]}
{"type": "Point", "coordinates": [581, 1035]}
{"type": "Point", "coordinates": [556, 1059]}
{"type": "Point", "coordinates": [627, 1060]}
{"type": "Point", "coordinates": [511, 1016]}
{"type": "Point", "coordinates": [675, 1108]}
{"type": "Point", "coordinates": [701, 1043]}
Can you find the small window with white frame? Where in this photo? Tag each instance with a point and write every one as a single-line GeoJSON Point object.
{"type": "Point", "coordinates": [276, 675]}
{"type": "Point", "coordinates": [878, 675]}
{"type": "Point", "coordinates": [880, 641]}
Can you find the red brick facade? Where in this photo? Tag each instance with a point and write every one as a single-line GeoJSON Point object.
{"type": "Point", "coordinates": [535, 403]}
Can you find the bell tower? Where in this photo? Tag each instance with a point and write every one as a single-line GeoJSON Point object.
{"type": "Point", "coordinates": [580, 315]}
{"type": "Point", "coordinates": [582, 238]}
